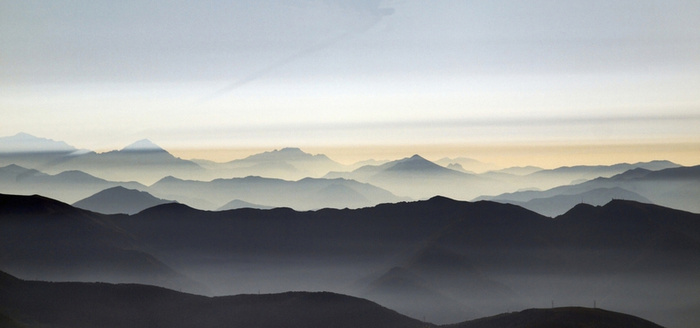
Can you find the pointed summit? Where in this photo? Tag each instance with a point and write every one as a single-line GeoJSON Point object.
{"type": "Point", "coordinates": [416, 163]}
{"type": "Point", "coordinates": [143, 145]}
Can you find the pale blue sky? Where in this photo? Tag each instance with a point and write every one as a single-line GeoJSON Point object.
{"type": "Point", "coordinates": [257, 74]}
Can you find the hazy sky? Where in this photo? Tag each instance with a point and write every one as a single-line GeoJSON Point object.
{"type": "Point", "coordinates": [611, 80]}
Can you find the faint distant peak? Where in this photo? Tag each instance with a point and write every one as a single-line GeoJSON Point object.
{"type": "Point", "coordinates": [27, 143]}
{"type": "Point", "coordinates": [143, 145]}
{"type": "Point", "coordinates": [290, 150]}
{"type": "Point", "coordinates": [456, 166]}
{"type": "Point", "coordinates": [414, 160]}
{"type": "Point", "coordinates": [291, 154]}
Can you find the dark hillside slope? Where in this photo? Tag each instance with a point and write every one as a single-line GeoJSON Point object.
{"type": "Point", "coordinates": [44, 238]}
{"type": "Point", "coordinates": [487, 257]}
{"type": "Point", "coordinates": [629, 224]}
{"type": "Point", "coordinates": [566, 317]}
{"type": "Point", "coordinates": [378, 229]}
{"type": "Point", "coordinates": [118, 200]}
{"type": "Point", "coordinates": [77, 305]}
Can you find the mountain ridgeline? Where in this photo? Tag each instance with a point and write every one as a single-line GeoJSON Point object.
{"type": "Point", "coordinates": [290, 177]}
{"type": "Point", "coordinates": [76, 305]}
{"type": "Point", "coordinates": [625, 236]}
{"type": "Point", "coordinates": [446, 260]}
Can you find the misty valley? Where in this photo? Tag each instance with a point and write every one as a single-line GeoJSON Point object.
{"type": "Point", "coordinates": [140, 238]}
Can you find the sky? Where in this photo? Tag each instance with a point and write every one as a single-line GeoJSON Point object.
{"type": "Point", "coordinates": [510, 82]}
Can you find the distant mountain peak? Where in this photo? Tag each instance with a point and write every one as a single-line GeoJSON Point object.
{"type": "Point", "coordinates": [415, 163]}
{"type": "Point", "coordinates": [291, 150]}
{"type": "Point", "coordinates": [289, 154]}
{"type": "Point", "coordinates": [143, 145]}
{"type": "Point", "coordinates": [27, 143]}
{"type": "Point", "coordinates": [119, 199]}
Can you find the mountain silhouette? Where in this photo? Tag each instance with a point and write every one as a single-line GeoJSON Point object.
{"type": "Point", "coordinates": [24, 143]}
{"type": "Point", "coordinates": [485, 256]}
{"type": "Point", "coordinates": [118, 199]}
{"type": "Point", "coordinates": [237, 203]}
{"type": "Point", "coordinates": [143, 145]}
{"type": "Point", "coordinates": [560, 204]}
{"type": "Point", "coordinates": [142, 160]}
{"type": "Point", "coordinates": [35, 153]}
{"type": "Point", "coordinates": [44, 238]}
{"type": "Point", "coordinates": [419, 178]}
{"type": "Point", "coordinates": [399, 284]}
{"type": "Point", "coordinates": [545, 179]}
{"type": "Point", "coordinates": [675, 187]}
{"type": "Point", "coordinates": [78, 305]}
{"type": "Point", "coordinates": [565, 317]}
{"type": "Point", "coordinates": [75, 305]}
{"type": "Point", "coordinates": [68, 186]}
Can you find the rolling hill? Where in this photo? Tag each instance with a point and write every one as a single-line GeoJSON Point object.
{"type": "Point", "coordinates": [75, 305]}
{"type": "Point", "coordinates": [479, 258]}
{"type": "Point", "coordinates": [566, 317]}
{"type": "Point", "coordinates": [46, 239]}
{"type": "Point", "coordinates": [118, 200]}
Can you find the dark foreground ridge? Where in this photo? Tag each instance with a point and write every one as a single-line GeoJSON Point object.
{"type": "Point", "coordinates": [564, 317]}
{"type": "Point", "coordinates": [76, 305]}
{"type": "Point", "coordinates": [72, 304]}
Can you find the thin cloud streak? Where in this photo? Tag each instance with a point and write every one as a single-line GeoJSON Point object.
{"type": "Point", "coordinates": [376, 13]}
{"type": "Point", "coordinates": [276, 65]}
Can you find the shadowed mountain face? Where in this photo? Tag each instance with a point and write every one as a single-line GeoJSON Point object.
{"type": "Point", "coordinates": [566, 317]}
{"type": "Point", "coordinates": [118, 200]}
{"type": "Point", "coordinates": [469, 259]}
{"type": "Point", "coordinates": [45, 239]}
{"type": "Point", "coordinates": [75, 305]}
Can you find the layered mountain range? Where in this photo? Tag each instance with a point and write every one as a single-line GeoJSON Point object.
{"type": "Point", "coordinates": [400, 233]}
{"type": "Point", "coordinates": [446, 260]}
{"type": "Point", "coordinates": [75, 305]}
{"type": "Point", "coordinates": [292, 178]}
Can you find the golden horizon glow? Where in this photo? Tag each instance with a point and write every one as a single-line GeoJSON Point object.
{"type": "Point", "coordinates": [546, 155]}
